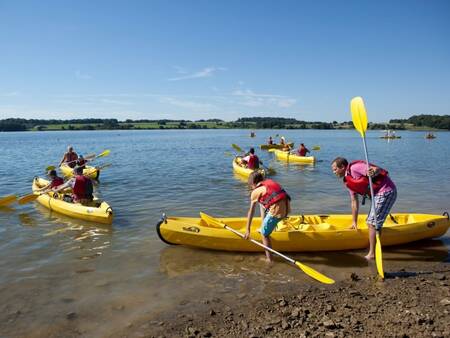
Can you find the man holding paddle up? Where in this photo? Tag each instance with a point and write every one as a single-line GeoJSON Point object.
{"type": "Point", "coordinates": [356, 179]}
{"type": "Point", "coordinates": [275, 205]}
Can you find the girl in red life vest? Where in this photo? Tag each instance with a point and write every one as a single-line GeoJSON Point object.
{"type": "Point", "coordinates": [55, 182]}
{"type": "Point", "coordinates": [251, 160]}
{"type": "Point", "coordinates": [274, 203]}
{"type": "Point", "coordinates": [356, 179]}
{"type": "Point", "coordinates": [70, 157]}
{"type": "Point", "coordinates": [82, 187]}
{"type": "Point", "coordinates": [302, 150]}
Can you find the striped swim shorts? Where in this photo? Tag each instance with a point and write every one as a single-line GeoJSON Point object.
{"type": "Point", "coordinates": [383, 206]}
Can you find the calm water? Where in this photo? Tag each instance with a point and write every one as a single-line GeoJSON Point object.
{"type": "Point", "coordinates": [52, 265]}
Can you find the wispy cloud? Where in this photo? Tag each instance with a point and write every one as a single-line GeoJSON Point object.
{"type": "Point", "coordinates": [205, 72]}
{"type": "Point", "coordinates": [187, 104]}
{"type": "Point", "coordinates": [10, 94]}
{"type": "Point", "coordinates": [252, 99]}
{"type": "Point", "coordinates": [82, 76]}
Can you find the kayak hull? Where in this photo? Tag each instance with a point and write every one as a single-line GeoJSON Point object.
{"type": "Point", "coordinates": [390, 137]}
{"type": "Point", "coordinates": [243, 172]}
{"type": "Point", "coordinates": [300, 233]}
{"type": "Point", "coordinates": [99, 212]}
{"type": "Point", "coordinates": [286, 156]}
{"type": "Point", "coordinates": [91, 172]}
{"type": "Point", "coordinates": [275, 146]}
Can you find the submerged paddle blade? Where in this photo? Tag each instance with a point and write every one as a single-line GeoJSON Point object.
{"type": "Point", "coordinates": [379, 257]}
{"type": "Point", "coordinates": [359, 115]}
{"type": "Point", "coordinates": [314, 273]}
{"type": "Point", "coordinates": [237, 148]}
{"type": "Point", "coordinates": [27, 198]}
{"type": "Point", "coordinates": [7, 200]}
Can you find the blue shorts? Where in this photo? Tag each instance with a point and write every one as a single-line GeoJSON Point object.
{"type": "Point", "coordinates": [383, 206]}
{"type": "Point", "coordinates": [269, 224]}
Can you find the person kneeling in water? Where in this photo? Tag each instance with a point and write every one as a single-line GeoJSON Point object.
{"type": "Point", "coordinates": [82, 187]}
{"type": "Point", "coordinates": [275, 205]}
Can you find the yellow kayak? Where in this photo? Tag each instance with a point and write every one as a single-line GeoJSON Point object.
{"type": "Point", "coordinates": [275, 146]}
{"type": "Point", "coordinates": [91, 172]}
{"type": "Point", "coordinates": [286, 156]}
{"type": "Point", "coordinates": [245, 172]}
{"type": "Point", "coordinates": [98, 211]}
{"type": "Point", "coordinates": [390, 137]}
{"type": "Point", "coordinates": [300, 233]}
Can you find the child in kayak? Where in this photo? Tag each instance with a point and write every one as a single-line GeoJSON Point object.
{"type": "Point", "coordinates": [55, 182]}
{"type": "Point", "coordinates": [302, 150]}
{"type": "Point", "coordinates": [70, 158]}
{"type": "Point", "coordinates": [251, 160]}
{"type": "Point", "coordinates": [82, 187]}
{"type": "Point", "coordinates": [356, 179]}
{"type": "Point", "coordinates": [275, 205]}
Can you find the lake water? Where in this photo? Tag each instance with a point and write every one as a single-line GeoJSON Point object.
{"type": "Point", "coordinates": [53, 265]}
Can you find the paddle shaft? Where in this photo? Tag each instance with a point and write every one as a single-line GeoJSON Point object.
{"type": "Point", "coordinates": [370, 183]}
{"type": "Point", "coordinates": [260, 244]}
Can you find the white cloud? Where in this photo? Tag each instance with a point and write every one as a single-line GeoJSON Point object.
{"type": "Point", "coordinates": [187, 104]}
{"type": "Point", "coordinates": [252, 99]}
{"type": "Point", "coordinates": [205, 72]}
{"type": "Point", "coordinates": [82, 76]}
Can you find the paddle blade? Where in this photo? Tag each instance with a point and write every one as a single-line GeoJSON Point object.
{"type": "Point", "coordinates": [7, 200]}
{"type": "Point", "coordinates": [237, 148]}
{"type": "Point", "coordinates": [379, 257]}
{"type": "Point", "coordinates": [314, 274]}
{"type": "Point", "coordinates": [103, 154]}
{"type": "Point", "coordinates": [227, 153]}
{"type": "Point", "coordinates": [316, 148]}
{"type": "Point", "coordinates": [50, 167]}
{"type": "Point", "coordinates": [359, 115]}
{"type": "Point", "coordinates": [271, 150]}
{"type": "Point", "coordinates": [27, 199]}
{"type": "Point", "coordinates": [103, 166]}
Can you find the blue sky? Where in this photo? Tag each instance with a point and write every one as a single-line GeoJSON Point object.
{"type": "Point", "coordinates": [223, 59]}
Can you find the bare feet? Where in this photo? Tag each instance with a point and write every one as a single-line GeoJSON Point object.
{"type": "Point", "coordinates": [267, 260]}
{"type": "Point", "coordinates": [369, 257]}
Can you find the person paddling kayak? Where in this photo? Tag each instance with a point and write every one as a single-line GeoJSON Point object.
{"type": "Point", "coordinates": [302, 150]}
{"type": "Point", "coordinates": [275, 205]}
{"type": "Point", "coordinates": [356, 179]}
{"type": "Point", "coordinates": [55, 181]}
{"type": "Point", "coordinates": [70, 157]}
{"type": "Point", "coordinates": [82, 187]}
{"type": "Point", "coordinates": [251, 160]}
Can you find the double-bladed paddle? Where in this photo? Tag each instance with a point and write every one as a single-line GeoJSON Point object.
{"type": "Point", "coordinates": [359, 117]}
{"type": "Point", "coordinates": [306, 269]}
{"type": "Point", "coordinates": [89, 157]}
{"type": "Point", "coordinates": [7, 200]}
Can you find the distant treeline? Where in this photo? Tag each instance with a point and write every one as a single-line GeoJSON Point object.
{"type": "Point", "coordinates": [429, 121]}
{"type": "Point", "coordinates": [414, 122]}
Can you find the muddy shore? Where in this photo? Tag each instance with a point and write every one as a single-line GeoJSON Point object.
{"type": "Point", "coordinates": [405, 304]}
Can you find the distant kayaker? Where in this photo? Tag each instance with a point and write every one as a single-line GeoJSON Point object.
{"type": "Point", "coordinates": [55, 182]}
{"type": "Point", "coordinates": [275, 205]}
{"type": "Point", "coordinates": [282, 141]}
{"type": "Point", "coordinates": [302, 150]}
{"type": "Point", "coordinates": [356, 180]}
{"type": "Point", "coordinates": [70, 158]}
{"type": "Point", "coordinates": [82, 187]}
{"type": "Point", "coordinates": [251, 160]}
{"type": "Point", "coordinates": [270, 140]}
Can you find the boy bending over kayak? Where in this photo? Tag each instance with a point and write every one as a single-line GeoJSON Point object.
{"type": "Point", "coordinates": [275, 205]}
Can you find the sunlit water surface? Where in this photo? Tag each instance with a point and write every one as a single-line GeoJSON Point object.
{"type": "Point", "coordinates": [54, 267]}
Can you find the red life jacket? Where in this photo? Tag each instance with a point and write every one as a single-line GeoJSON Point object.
{"type": "Point", "coordinates": [361, 185]}
{"type": "Point", "coordinates": [274, 193]}
{"type": "Point", "coordinates": [57, 181]}
{"type": "Point", "coordinates": [253, 162]}
{"type": "Point", "coordinates": [71, 159]}
{"type": "Point", "coordinates": [83, 188]}
{"type": "Point", "coordinates": [302, 151]}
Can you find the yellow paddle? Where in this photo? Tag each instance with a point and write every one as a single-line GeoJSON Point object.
{"type": "Point", "coordinates": [306, 269]}
{"type": "Point", "coordinates": [89, 157]}
{"type": "Point", "coordinates": [315, 148]}
{"type": "Point", "coordinates": [7, 200]}
{"type": "Point", "coordinates": [359, 117]}
{"type": "Point", "coordinates": [28, 198]}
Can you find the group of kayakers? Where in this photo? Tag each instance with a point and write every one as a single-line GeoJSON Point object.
{"type": "Point", "coordinates": [275, 201]}
{"type": "Point", "coordinates": [80, 185]}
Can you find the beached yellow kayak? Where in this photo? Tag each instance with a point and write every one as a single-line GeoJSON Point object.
{"type": "Point", "coordinates": [275, 146]}
{"type": "Point", "coordinates": [245, 172]}
{"type": "Point", "coordinates": [286, 156]}
{"type": "Point", "coordinates": [91, 172]}
{"type": "Point", "coordinates": [300, 233]}
{"type": "Point", "coordinates": [98, 211]}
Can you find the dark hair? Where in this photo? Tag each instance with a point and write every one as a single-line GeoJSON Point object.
{"type": "Point", "coordinates": [51, 172]}
{"type": "Point", "coordinates": [340, 162]}
{"type": "Point", "coordinates": [255, 177]}
{"type": "Point", "coordinates": [252, 150]}
{"type": "Point", "coordinates": [78, 170]}
{"type": "Point", "coordinates": [302, 144]}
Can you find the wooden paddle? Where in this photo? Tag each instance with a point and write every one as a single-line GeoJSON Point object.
{"type": "Point", "coordinates": [359, 117]}
{"type": "Point", "coordinates": [89, 157]}
{"type": "Point", "coordinates": [270, 170]}
{"type": "Point", "coordinates": [306, 269]}
{"type": "Point", "coordinates": [7, 200]}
